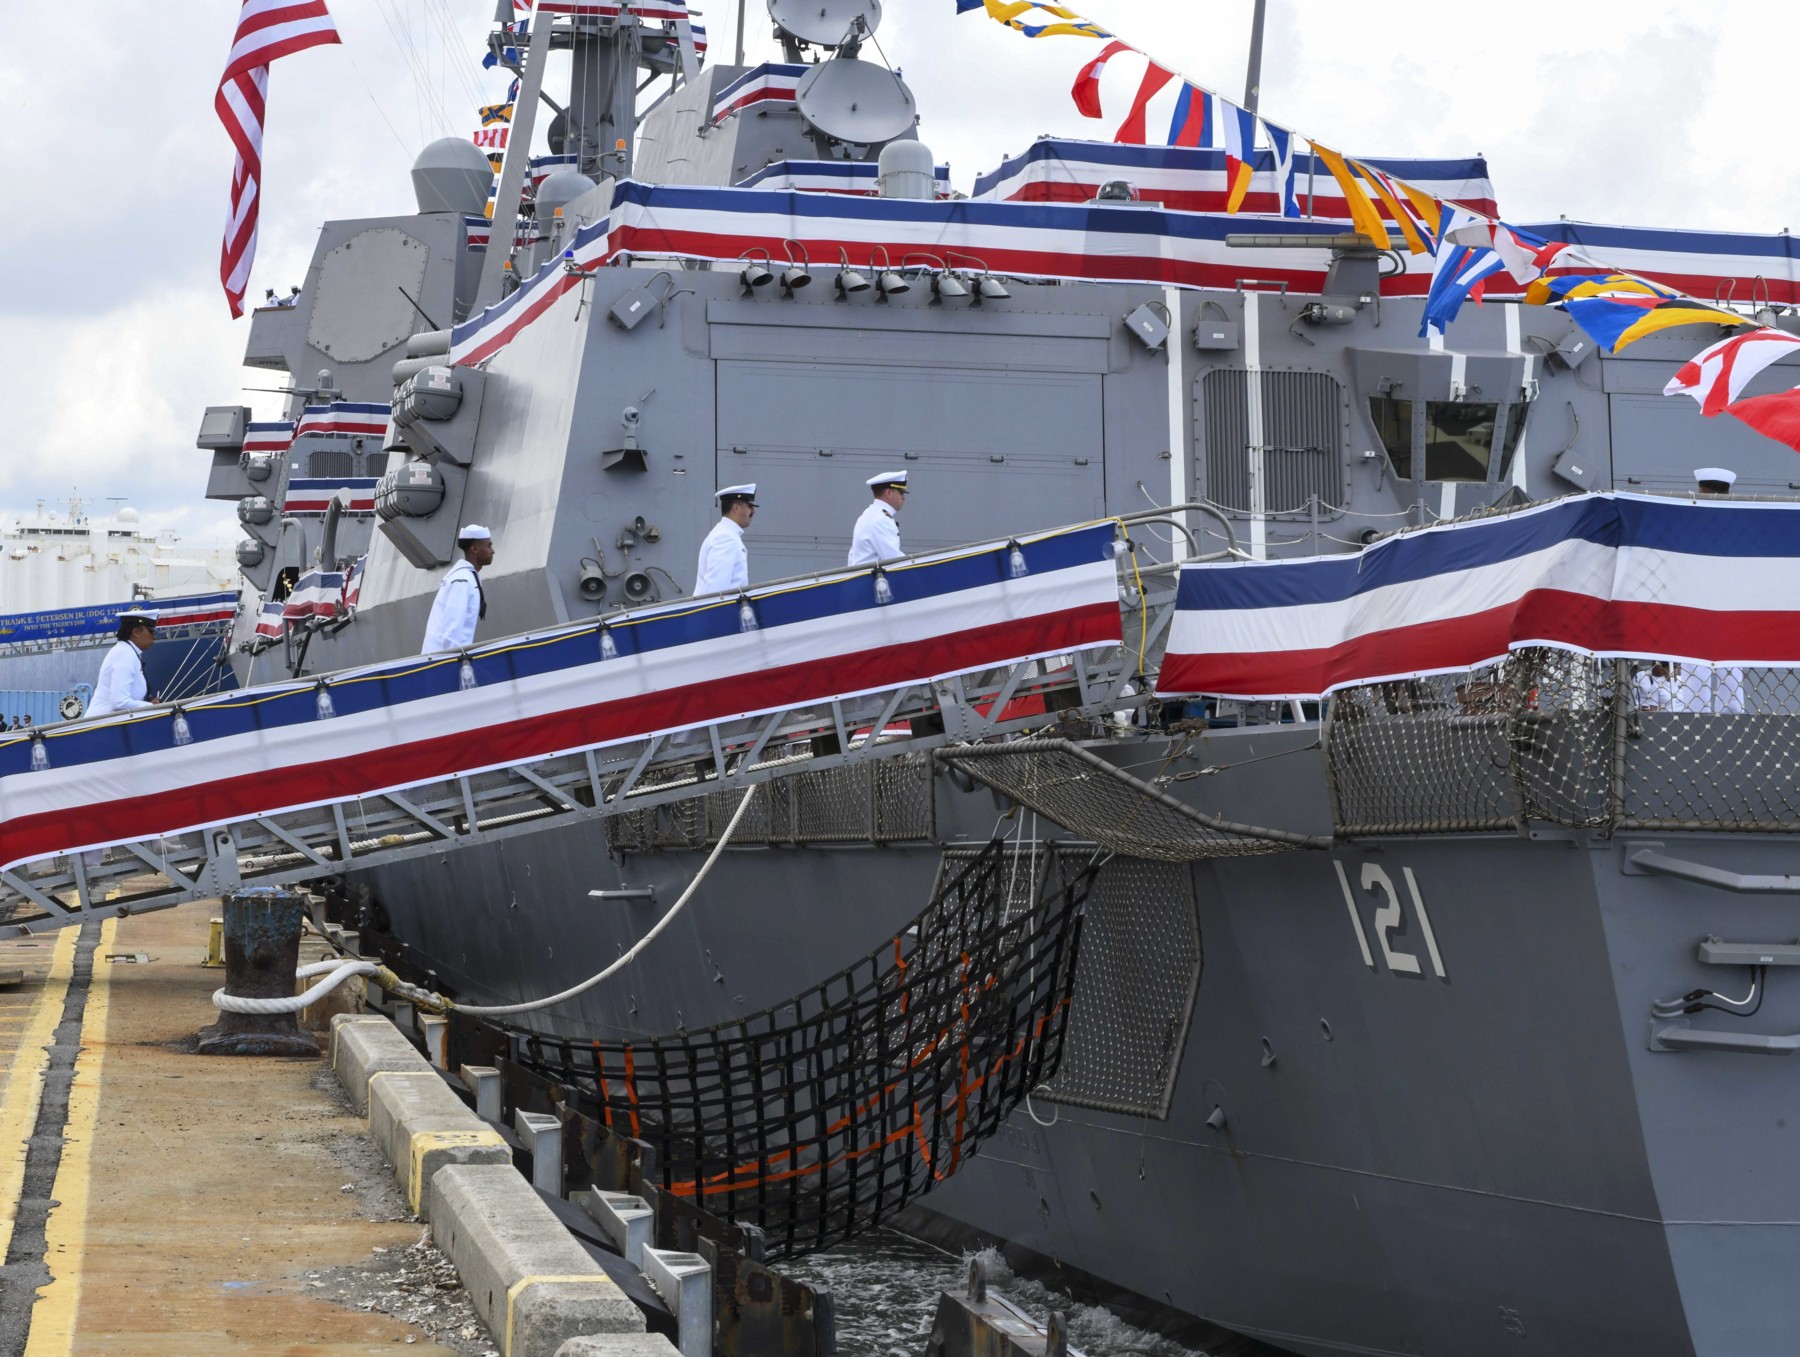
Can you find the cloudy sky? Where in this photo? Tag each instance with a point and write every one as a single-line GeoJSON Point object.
{"type": "Point", "coordinates": [114, 333]}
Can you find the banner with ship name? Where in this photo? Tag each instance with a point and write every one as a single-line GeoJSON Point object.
{"type": "Point", "coordinates": [100, 620]}
{"type": "Point", "coordinates": [674, 667]}
{"type": "Point", "coordinates": [1616, 576]}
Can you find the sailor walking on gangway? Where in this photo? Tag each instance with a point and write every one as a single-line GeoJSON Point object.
{"type": "Point", "coordinates": [724, 562]}
{"type": "Point", "coordinates": [122, 685]}
{"type": "Point", "coordinates": [460, 602]}
{"type": "Point", "coordinates": [877, 533]}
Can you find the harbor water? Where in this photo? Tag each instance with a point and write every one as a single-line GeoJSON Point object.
{"type": "Point", "coordinates": [886, 1288]}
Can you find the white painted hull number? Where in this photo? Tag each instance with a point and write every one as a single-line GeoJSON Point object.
{"type": "Point", "coordinates": [1389, 919]}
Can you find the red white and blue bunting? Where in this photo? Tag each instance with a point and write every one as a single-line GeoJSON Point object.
{"type": "Point", "coordinates": [310, 496]}
{"type": "Point", "coordinates": [346, 419]}
{"type": "Point", "coordinates": [1609, 575]}
{"type": "Point", "coordinates": [860, 178]}
{"type": "Point", "coordinates": [1190, 179]}
{"type": "Point", "coordinates": [677, 667]}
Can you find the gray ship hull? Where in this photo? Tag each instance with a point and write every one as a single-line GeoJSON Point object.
{"type": "Point", "coordinates": [1490, 1161]}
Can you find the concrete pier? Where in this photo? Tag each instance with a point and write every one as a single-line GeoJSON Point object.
{"type": "Point", "coordinates": [158, 1202]}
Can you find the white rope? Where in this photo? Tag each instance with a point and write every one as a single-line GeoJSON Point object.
{"type": "Point", "coordinates": [500, 1010]}
{"type": "Point", "coordinates": [340, 972]}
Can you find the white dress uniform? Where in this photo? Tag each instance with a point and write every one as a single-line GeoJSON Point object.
{"type": "Point", "coordinates": [724, 561]}
{"type": "Point", "coordinates": [121, 685]}
{"type": "Point", "coordinates": [1653, 692]}
{"type": "Point", "coordinates": [458, 606]}
{"type": "Point", "coordinates": [876, 536]}
{"type": "Point", "coordinates": [1710, 689]}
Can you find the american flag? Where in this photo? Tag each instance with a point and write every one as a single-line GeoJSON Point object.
{"type": "Point", "coordinates": [266, 29]}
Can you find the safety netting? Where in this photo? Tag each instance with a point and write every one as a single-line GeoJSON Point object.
{"type": "Point", "coordinates": [1076, 788]}
{"type": "Point", "coordinates": [1555, 737]}
{"type": "Point", "coordinates": [821, 1118]}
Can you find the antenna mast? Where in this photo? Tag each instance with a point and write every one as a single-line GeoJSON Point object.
{"type": "Point", "coordinates": [1253, 79]}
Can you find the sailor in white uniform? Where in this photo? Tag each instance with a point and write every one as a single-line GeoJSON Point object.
{"type": "Point", "coordinates": [877, 533]}
{"type": "Point", "coordinates": [724, 563]}
{"type": "Point", "coordinates": [121, 685]}
{"type": "Point", "coordinates": [460, 602]}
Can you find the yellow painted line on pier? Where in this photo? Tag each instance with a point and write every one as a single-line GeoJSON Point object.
{"type": "Point", "coordinates": [65, 1234]}
{"type": "Point", "coordinates": [25, 1080]}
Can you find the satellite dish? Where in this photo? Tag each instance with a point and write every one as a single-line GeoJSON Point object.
{"type": "Point", "coordinates": [824, 23]}
{"type": "Point", "coordinates": [855, 101]}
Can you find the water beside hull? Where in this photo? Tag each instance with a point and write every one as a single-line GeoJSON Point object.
{"type": "Point", "coordinates": [1490, 1161]}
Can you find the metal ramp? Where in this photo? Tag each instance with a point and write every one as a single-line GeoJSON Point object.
{"type": "Point", "coordinates": [585, 786]}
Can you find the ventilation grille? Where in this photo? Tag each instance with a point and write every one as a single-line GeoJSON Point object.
{"type": "Point", "coordinates": [1301, 444]}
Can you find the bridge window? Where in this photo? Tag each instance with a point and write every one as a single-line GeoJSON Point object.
{"type": "Point", "coordinates": [1459, 440]}
{"type": "Point", "coordinates": [1509, 440]}
{"type": "Point", "coordinates": [1393, 425]}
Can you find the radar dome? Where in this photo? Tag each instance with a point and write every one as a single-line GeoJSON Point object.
{"type": "Point", "coordinates": [452, 175]}
{"type": "Point", "coordinates": [127, 514]}
{"type": "Point", "coordinates": [905, 171]}
{"type": "Point", "coordinates": [559, 190]}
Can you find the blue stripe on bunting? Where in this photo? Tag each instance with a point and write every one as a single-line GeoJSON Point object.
{"type": "Point", "coordinates": [1073, 221]}
{"type": "Point", "coordinates": [524, 294]}
{"type": "Point", "coordinates": [284, 705]}
{"type": "Point", "coordinates": [1782, 246]}
{"type": "Point", "coordinates": [1127, 156]}
{"type": "Point", "coordinates": [1698, 529]}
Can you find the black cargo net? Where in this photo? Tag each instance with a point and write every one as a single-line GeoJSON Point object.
{"type": "Point", "coordinates": [820, 1119]}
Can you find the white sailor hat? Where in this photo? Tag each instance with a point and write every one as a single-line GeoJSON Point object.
{"type": "Point", "coordinates": [887, 478]}
{"type": "Point", "coordinates": [743, 492]}
{"type": "Point", "coordinates": [138, 615]}
{"type": "Point", "coordinates": [474, 532]}
{"type": "Point", "coordinates": [1715, 473]}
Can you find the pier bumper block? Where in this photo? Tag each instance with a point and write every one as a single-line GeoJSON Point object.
{"type": "Point", "coordinates": [532, 1284]}
{"type": "Point", "coordinates": [421, 1126]}
{"type": "Point", "coordinates": [618, 1345]}
{"type": "Point", "coordinates": [364, 1045]}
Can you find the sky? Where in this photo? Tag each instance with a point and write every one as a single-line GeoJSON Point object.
{"type": "Point", "coordinates": [114, 332]}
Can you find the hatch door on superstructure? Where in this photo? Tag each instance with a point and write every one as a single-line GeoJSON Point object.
{"type": "Point", "coordinates": [1000, 436]}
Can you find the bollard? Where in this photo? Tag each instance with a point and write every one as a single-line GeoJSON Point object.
{"type": "Point", "coordinates": [262, 952]}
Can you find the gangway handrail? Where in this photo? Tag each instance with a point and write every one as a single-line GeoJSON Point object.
{"type": "Point", "coordinates": [954, 649]}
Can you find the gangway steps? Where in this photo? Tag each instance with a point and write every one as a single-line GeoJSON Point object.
{"type": "Point", "coordinates": [583, 787]}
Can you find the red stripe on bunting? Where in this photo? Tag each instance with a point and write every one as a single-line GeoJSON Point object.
{"type": "Point", "coordinates": [1020, 263]}
{"type": "Point", "coordinates": [1553, 615]}
{"type": "Point", "coordinates": [122, 818]}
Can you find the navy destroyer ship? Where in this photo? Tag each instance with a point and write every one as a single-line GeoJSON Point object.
{"type": "Point", "coordinates": [1467, 1138]}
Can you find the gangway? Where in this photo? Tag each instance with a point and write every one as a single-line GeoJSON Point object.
{"type": "Point", "coordinates": [299, 780]}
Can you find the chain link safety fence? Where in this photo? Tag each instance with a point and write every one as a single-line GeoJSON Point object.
{"type": "Point", "coordinates": [882, 801]}
{"type": "Point", "coordinates": [820, 1119]}
{"type": "Point", "coordinates": [1556, 737]}
{"type": "Point", "coordinates": [1077, 789]}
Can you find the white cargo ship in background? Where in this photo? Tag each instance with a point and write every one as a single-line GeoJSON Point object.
{"type": "Point", "coordinates": [65, 574]}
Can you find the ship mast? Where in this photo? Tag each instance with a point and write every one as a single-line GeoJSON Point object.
{"type": "Point", "coordinates": [1253, 77]}
{"type": "Point", "coordinates": [599, 126]}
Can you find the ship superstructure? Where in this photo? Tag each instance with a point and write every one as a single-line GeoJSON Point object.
{"type": "Point", "coordinates": [1257, 1125]}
